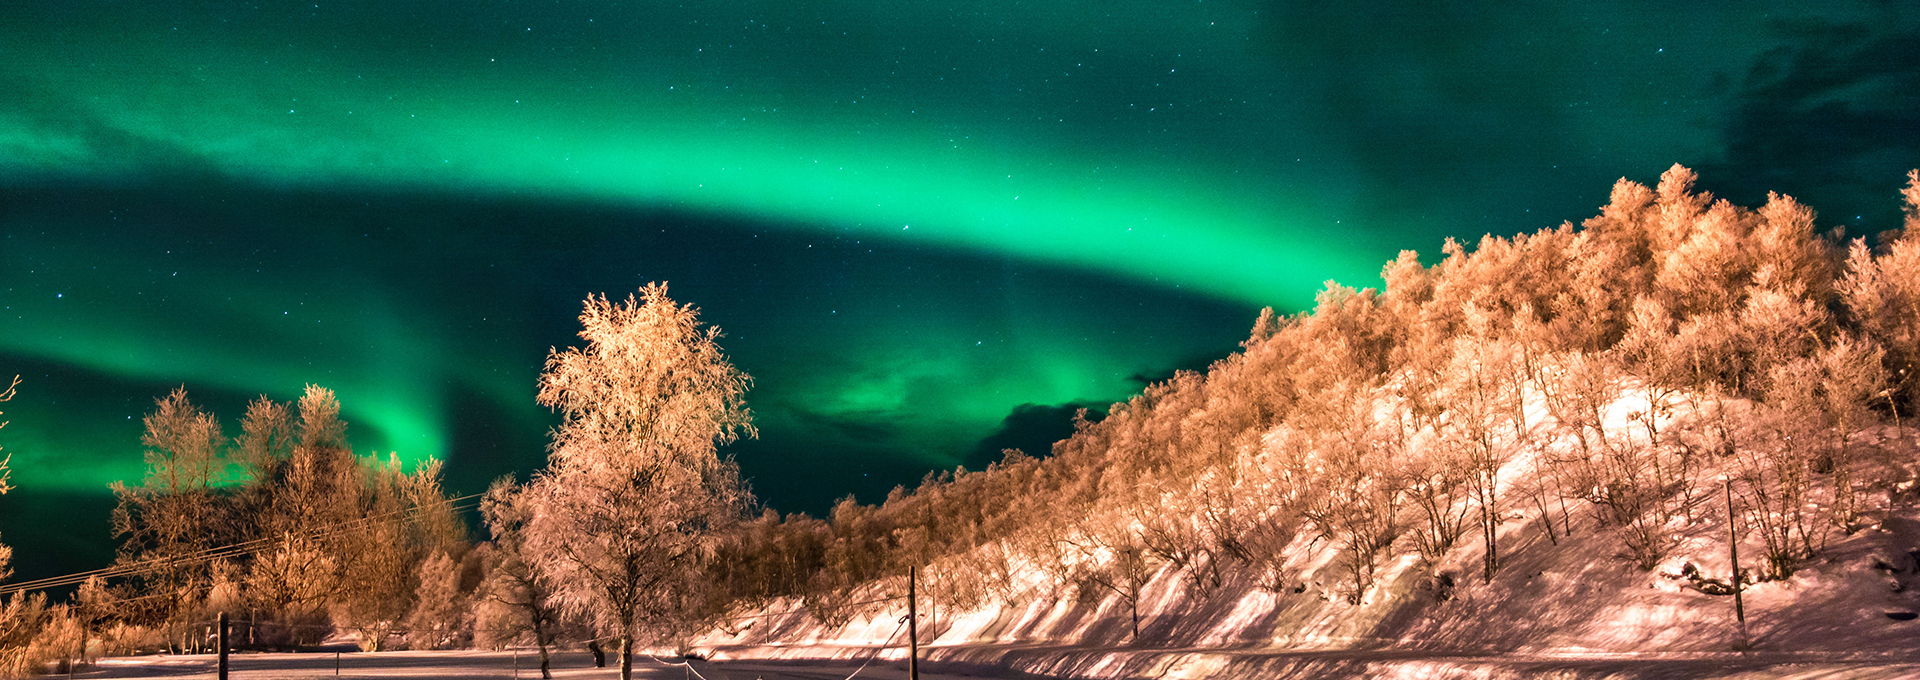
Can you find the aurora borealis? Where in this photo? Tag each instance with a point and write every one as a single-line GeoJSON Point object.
{"type": "Point", "coordinates": [929, 229]}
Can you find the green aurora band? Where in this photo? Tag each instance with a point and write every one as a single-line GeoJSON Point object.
{"type": "Point", "coordinates": [484, 113]}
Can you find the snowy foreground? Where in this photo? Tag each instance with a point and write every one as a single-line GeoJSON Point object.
{"type": "Point", "coordinates": [568, 665]}
{"type": "Point", "coordinates": [1560, 609]}
{"type": "Point", "coordinates": [1167, 664]}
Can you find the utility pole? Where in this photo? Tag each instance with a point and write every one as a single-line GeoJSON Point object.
{"type": "Point", "coordinates": [913, 625]}
{"type": "Point", "coordinates": [223, 645]}
{"type": "Point", "coordinates": [1733, 552]}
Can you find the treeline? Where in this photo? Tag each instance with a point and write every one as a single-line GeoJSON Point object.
{"type": "Point", "coordinates": [1602, 378]}
{"type": "Point", "coordinates": [297, 539]}
{"type": "Point", "coordinates": [1599, 378]}
{"type": "Point", "coordinates": [282, 527]}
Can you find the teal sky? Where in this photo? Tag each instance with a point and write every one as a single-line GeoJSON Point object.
{"type": "Point", "coordinates": [929, 229]}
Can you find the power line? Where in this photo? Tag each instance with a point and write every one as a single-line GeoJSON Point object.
{"type": "Point", "coordinates": [156, 564]}
{"type": "Point", "coordinates": [231, 550]}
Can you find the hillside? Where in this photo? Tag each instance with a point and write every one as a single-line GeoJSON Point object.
{"type": "Point", "coordinates": [1528, 449]}
{"type": "Point", "coordinates": [1580, 596]}
{"type": "Point", "coordinates": [1576, 595]}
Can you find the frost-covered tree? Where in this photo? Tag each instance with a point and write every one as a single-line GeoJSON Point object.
{"type": "Point", "coordinates": [1883, 295]}
{"type": "Point", "coordinates": [342, 537]}
{"type": "Point", "coordinates": [302, 482]}
{"type": "Point", "coordinates": [174, 513]}
{"type": "Point", "coordinates": [6, 553]}
{"type": "Point", "coordinates": [1108, 554]}
{"type": "Point", "coordinates": [282, 502]}
{"type": "Point", "coordinates": [321, 477]}
{"type": "Point", "coordinates": [439, 607]}
{"type": "Point", "coordinates": [1358, 472]}
{"type": "Point", "coordinates": [1481, 396]}
{"type": "Point", "coordinates": [627, 508]}
{"type": "Point", "coordinates": [377, 559]}
{"type": "Point", "coordinates": [514, 597]}
{"type": "Point", "coordinates": [1780, 444]}
{"type": "Point", "coordinates": [1852, 376]}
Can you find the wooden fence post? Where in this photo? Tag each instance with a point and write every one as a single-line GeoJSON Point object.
{"type": "Point", "coordinates": [913, 625]}
{"type": "Point", "coordinates": [1733, 553]}
{"type": "Point", "coordinates": [223, 645]}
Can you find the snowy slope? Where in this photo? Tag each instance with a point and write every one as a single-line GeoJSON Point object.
{"type": "Point", "coordinates": [1577, 596]}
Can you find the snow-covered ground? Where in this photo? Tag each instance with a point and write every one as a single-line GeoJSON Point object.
{"type": "Point", "coordinates": [1155, 664]}
{"type": "Point", "coordinates": [1571, 610]}
{"type": "Point", "coordinates": [523, 664]}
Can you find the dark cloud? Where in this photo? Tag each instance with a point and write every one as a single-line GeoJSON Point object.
{"type": "Point", "coordinates": [1197, 363]}
{"type": "Point", "coordinates": [1830, 116]}
{"type": "Point", "coordinates": [1438, 108]}
{"type": "Point", "coordinates": [1031, 428]}
{"type": "Point", "coordinates": [869, 428]}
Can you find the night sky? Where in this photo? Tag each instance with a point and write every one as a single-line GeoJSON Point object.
{"type": "Point", "coordinates": [929, 230]}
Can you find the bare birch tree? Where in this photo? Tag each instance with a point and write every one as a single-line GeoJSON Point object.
{"type": "Point", "coordinates": [513, 584]}
{"type": "Point", "coordinates": [1357, 471]}
{"type": "Point", "coordinates": [1481, 395]}
{"type": "Point", "coordinates": [174, 513]}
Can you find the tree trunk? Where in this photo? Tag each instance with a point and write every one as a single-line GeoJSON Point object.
{"type": "Point", "coordinates": [1487, 535]}
{"type": "Point", "coordinates": [540, 636]}
{"type": "Point", "coordinates": [1133, 606]}
{"type": "Point", "coordinates": [626, 658]}
{"type": "Point", "coordinates": [1359, 580]}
